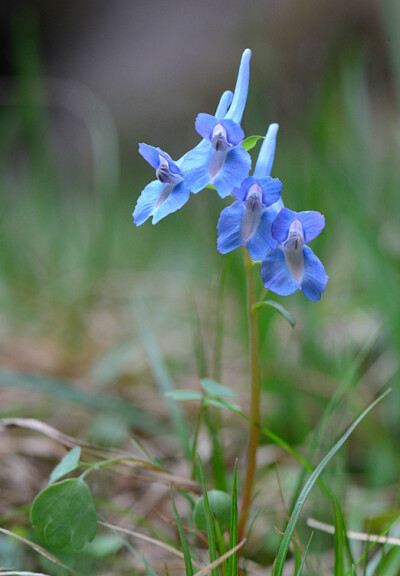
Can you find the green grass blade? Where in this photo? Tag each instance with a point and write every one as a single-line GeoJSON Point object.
{"type": "Point", "coordinates": [182, 537]}
{"type": "Point", "coordinates": [348, 381]}
{"type": "Point", "coordinates": [339, 537]}
{"type": "Point", "coordinates": [339, 519]}
{"type": "Point", "coordinates": [233, 529]}
{"type": "Point", "coordinates": [297, 558]}
{"type": "Point", "coordinates": [149, 570]}
{"type": "Point", "coordinates": [280, 442]}
{"type": "Point", "coordinates": [209, 520]}
{"type": "Point", "coordinates": [222, 549]}
{"type": "Point", "coordinates": [284, 546]}
{"type": "Point", "coordinates": [300, 571]}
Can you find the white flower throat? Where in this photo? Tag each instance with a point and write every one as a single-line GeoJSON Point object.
{"type": "Point", "coordinates": [220, 148]}
{"type": "Point", "coordinates": [253, 210]}
{"type": "Point", "coordinates": [293, 250]}
{"type": "Point", "coordinates": [166, 177]}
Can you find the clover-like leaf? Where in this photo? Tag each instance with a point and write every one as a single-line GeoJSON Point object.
{"type": "Point", "coordinates": [67, 464]}
{"type": "Point", "coordinates": [65, 514]}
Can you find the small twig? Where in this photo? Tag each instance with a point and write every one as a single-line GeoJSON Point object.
{"type": "Point", "coordinates": [361, 536]}
{"type": "Point", "coordinates": [221, 559]}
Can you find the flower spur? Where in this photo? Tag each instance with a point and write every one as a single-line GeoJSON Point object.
{"type": "Point", "coordinates": [170, 191]}
{"type": "Point", "coordinates": [219, 159]}
{"type": "Point", "coordinates": [248, 221]}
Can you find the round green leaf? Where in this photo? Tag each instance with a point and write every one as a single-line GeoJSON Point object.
{"type": "Point", "coordinates": [220, 508]}
{"type": "Point", "coordinates": [65, 514]}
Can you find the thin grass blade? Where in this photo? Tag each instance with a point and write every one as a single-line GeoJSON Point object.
{"type": "Point", "coordinates": [233, 529]}
{"type": "Point", "coordinates": [284, 546]}
{"type": "Point", "coordinates": [209, 519]}
{"type": "Point", "coordinates": [300, 571]}
{"type": "Point", "coordinates": [182, 537]}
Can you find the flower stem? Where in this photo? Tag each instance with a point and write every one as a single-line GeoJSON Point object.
{"type": "Point", "coordinates": [254, 352]}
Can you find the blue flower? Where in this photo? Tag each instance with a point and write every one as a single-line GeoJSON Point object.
{"type": "Point", "coordinates": [248, 221]}
{"type": "Point", "coordinates": [170, 191]}
{"type": "Point", "coordinates": [166, 194]}
{"type": "Point", "coordinates": [219, 159]}
{"type": "Point", "coordinates": [293, 265]}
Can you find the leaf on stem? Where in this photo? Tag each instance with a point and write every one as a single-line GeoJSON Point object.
{"type": "Point", "coordinates": [213, 388]}
{"type": "Point", "coordinates": [279, 308]}
{"type": "Point", "coordinates": [181, 395]}
{"type": "Point", "coordinates": [65, 514]}
{"type": "Point", "coordinates": [182, 537]}
{"type": "Point", "coordinates": [69, 463]}
{"type": "Point", "coordinates": [249, 142]}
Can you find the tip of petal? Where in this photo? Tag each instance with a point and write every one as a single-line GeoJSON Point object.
{"type": "Point", "coordinates": [247, 54]}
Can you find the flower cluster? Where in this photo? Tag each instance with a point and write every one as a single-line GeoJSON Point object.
{"type": "Point", "coordinates": [258, 219]}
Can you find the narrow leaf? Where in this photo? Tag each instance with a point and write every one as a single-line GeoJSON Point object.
{"type": "Point", "coordinates": [182, 537]}
{"type": "Point", "coordinates": [181, 395]}
{"type": "Point", "coordinates": [213, 388]}
{"type": "Point", "coordinates": [300, 572]}
{"type": "Point", "coordinates": [221, 404]}
{"type": "Point", "coordinates": [67, 464]}
{"type": "Point", "coordinates": [279, 308]}
{"type": "Point", "coordinates": [285, 542]}
{"type": "Point", "coordinates": [209, 520]}
{"type": "Point", "coordinates": [233, 529]}
{"type": "Point", "coordinates": [338, 539]}
{"type": "Point", "coordinates": [222, 549]}
{"type": "Point", "coordinates": [249, 142]}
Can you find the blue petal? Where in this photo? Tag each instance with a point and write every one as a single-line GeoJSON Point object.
{"type": "Point", "coordinates": [262, 240]}
{"type": "Point", "coordinates": [266, 155]}
{"type": "Point", "coordinates": [275, 274]}
{"type": "Point", "coordinates": [146, 202]}
{"type": "Point", "coordinates": [205, 124]}
{"type": "Point", "coordinates": [173, 166]}
{"type": "Point", "coordinates": [178, 196]}
{"type": "Point", "coordinates": [277, 207]}
{"type": "Point", "coordinates": [236, 110]}
{"type": "Point", "coordinates": [150, 154]}
{"type": "Point", "coordinates": [281, 225]}
{"type": "Point", "coordinates": [236, 167]}
{"type": "Point", "coordinates": [195, 166]}
{"type": "Point", "coordinates": [314, 278]}
{"type": "Point", "coordinates": [224, 104]}
{"type": "Point", "coordinates": [234, 132]}
{"type": "Point", "coordinates": [230, 228]}
{"type": "Point", "coordinates": [240, 193]}
{"type": "Point", "coordinates": [313, 223]}
{"type": "Point", "coordinates": [271, 188]}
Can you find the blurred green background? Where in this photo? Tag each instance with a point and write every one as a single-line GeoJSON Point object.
{"type": "Point", "coordinates": [81, 84]}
